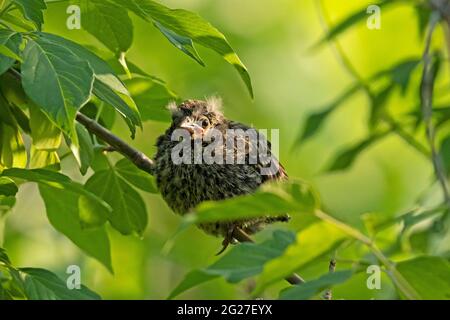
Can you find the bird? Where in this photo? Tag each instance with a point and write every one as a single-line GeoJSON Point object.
{"type": "Point", "coordinates": [184, 185]}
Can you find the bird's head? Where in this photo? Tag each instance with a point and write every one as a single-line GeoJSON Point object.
{"type": "Point", "coordinates": [197, 116]}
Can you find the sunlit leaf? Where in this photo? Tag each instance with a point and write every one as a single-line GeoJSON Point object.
{"type": "Point", "coordinates": [189, 25]}
{"type": "Point", "coordinates": [10, 42]}
{"type": "Point", "coordinates": [123, 103]}
{"type": "Point", "coordinates": [185, 44]}
{"type": "Point", "coordinates": [45, 135]}
{"type": "Point", "coordinates": [109, 23]}
{"type": "Point", "coordinates": [151, 97]}
{"type": "Point", "coordinates": [32, 10]}
{"type": "Point", "coordinates": [351, 20]}
{"type": "Point", "coordinates": [12, 149]}
{"type": "Point", "coordinates": [269, 200]}
{"type": "Point", "coordinates": [429, 276]}
{"type": "Point", "coordinates": [44, 159]}
{"type": "Point", "coordinates": [310, 244]}
{"type": "Point", "coordinates": [241, 262]}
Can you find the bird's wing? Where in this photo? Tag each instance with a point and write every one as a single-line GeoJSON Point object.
{"type": "Point", "coordinates": [270, 167]}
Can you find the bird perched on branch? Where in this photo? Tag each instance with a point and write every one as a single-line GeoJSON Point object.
{"type": "Point", "coordinates": [186, 176]}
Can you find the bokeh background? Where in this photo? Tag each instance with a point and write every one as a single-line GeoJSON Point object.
{"type": "Point", "coordinates": [275, 39]}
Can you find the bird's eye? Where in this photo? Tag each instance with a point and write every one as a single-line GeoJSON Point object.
{"type": "Point", "coordinates": [204, 122]}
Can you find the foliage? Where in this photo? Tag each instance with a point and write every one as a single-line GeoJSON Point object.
{"type": "Point", "coordinates": [48, 79]}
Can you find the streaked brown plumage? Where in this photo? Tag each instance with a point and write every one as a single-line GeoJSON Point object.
{"type": "Point", "coordinates": [184, 186]}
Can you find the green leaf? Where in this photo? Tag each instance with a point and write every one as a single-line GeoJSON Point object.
{"type": "Point", "coordinates": [43, 159]}
{"type": "Point", "coordinates": [41, 284]}
{"type": "Point", "coordinates": [7, 187]}
{"type": "Point", "coordinates": [19, 22]}
{"type": "Point", "coordinates": [423, 12]}
{"type": "Point", "coordinates": [138, 178]}
{"type": "Point", "coordinates": [400, 73]}
{"type": "Point", "coordinates": [243, 261]}
{"type": "Point", "coordinates": [106, 116]}
{"type": "Point", "coordinates": [429, 276]}
{"type": "Point", "coordinates": [345, 24]}
{"type": "Point", "coordinates": [21, 118]}
{"type": "Point", "coordinates": [9, 49]}
{"type": "Point", "coordinates": [129, 213]}
{"type": "Point", "coordinates": [53, 179]}
{"type": "Point", "coordinates": [75, 216]}
{"type": "Point", "coordinates": [57, 80]}
{"type": "Point", "coordinates": [45, 135]}
{"type": "Point", "coordinates": [185, 44]}
{"type": "Point", "coordinates": [4, 257]}
{"type": "Point", "coordinates": [192, 279]}
{"type": "Point", "coordinates": [32, 10]}
{"type": "Point", "coordinates": [6, 204]}
{"type": "Point", "coordinates": [68, 214]}
{"type": "Point", "coordinates": [134, 69]}
{"type": "Point", "coordinates": [315, 121]}
{"type": "Point", "coordinates": [124, 104]}
{"type": "Point", "coordinates": [311, 244]}
{"type": "Point", "coordinates": [311, 288]}
{"type": "Point", "coordinates": [189, 25]}
{"type": "Point", "coordinates": [8, 53]}
{"type": "Point", "coordinates": [86, 149]}
{"type": "Point", "coordinates": [111, 88]}
{"type": "Point", "coordinates": [379, 102]}
{"type": "Point", "coordinates": [269, 200]}
{"type": "Point", "coordinates": [151, 97]}
{"type": "Point", "coordinates": [12, 149]}
{"type": "Point", "coordinates": [445, 153]}
{"type": "Point", "coordinates": [109, 23]}
{"type": "Point", "coordinates": [346, 157]}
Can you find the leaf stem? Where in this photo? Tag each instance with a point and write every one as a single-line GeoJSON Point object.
{"type": "Point", "coordinates": [426, 96]}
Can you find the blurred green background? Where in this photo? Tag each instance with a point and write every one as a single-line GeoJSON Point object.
{"type": "Point", "coordinates": [274, 38]}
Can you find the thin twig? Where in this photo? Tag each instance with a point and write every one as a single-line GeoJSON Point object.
{"type": "Point", "coordinates": [426, 96]}
{"type": "Point", "coordinates": [328, 295]}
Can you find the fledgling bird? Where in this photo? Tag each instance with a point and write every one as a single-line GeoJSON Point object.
{"type": "Point", "coordinates": [183, 186]}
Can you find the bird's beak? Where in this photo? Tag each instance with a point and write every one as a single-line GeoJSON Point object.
{"type": "Point", "coordinates": [193, 128]}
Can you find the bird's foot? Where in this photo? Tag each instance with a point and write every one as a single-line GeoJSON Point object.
{"type": "Point", "coordinates": [227, 240]}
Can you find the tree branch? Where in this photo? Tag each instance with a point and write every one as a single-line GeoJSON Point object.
{"type": "Point", "coordinates": [139, 159]}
